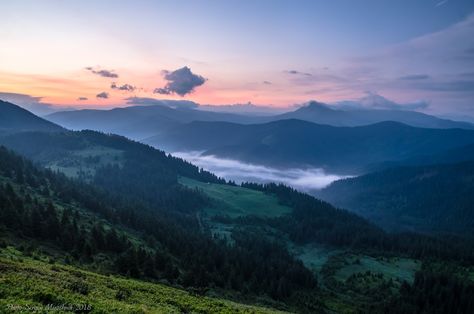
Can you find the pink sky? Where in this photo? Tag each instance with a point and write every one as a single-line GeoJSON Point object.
{"type": "Point", "coordinates": [248, 53]}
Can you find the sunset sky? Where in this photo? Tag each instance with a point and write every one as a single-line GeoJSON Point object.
{"type": "Point", "coordinates": [99, 53]}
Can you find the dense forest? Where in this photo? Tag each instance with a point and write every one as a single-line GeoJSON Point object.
{"type": "Point", "coordinates": [430, 199]}
{"type": "Point", "coordinates": [433, 291]}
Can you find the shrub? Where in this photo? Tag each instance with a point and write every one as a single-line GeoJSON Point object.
{"type": "Point", "coordinates": [79, 286]}
{"type": "Point", "coordinates": [123, 294]}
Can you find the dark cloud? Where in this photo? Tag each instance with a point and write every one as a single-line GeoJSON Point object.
{"type": "Point", "coordinates": [124, 87]}
{"type": "Point", "coordinates": [311, 79]}
{"type": "Point", "coordinates": [103, 95]}
{"type": "Point", "coordinates": [103, 73]}
{"type": "Point", "coordinates": [469, 51]}
{"type": "Point", "coordinates": [267, 82]}
{"type": "Point", "coordinates": [181, 82]}
{"type": "Point", "coordinates": [82, 98]}
{"type": "Point", "coordinates": [450, 86]}
{"type": "Point", "coordinates": [414, 77]}
{"type": "Point", "coordinates": [294, 72]}
{"type": "Point", "coordinates": [467, 74]}
{"type": "Point", "coordinates": [146, 101]}
{"type": "Point", "coordinates": [163, 91]}
{"type": "Point", "coordinates": [466, 55]}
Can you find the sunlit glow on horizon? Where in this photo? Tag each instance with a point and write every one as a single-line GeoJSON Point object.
{"type": "Point", "coordinates": [286, 56]}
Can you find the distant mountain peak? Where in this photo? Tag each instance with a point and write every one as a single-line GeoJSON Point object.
{"type": "Point", "coordinates": [316, 105]}
{"type": "Point", "coordinates": [372, 108]}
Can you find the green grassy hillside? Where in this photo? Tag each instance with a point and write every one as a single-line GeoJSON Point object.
{"type": "Point", "coordinates": [236, 201]}
{"type": "Point", "coordinates": [29, 283]}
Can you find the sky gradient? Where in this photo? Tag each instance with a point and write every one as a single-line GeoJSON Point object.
{"type": "Point", "coordinates": [91, 53]}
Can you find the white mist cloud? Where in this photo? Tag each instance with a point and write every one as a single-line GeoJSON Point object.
{"type": "Point", "coordinates": [301, 179]}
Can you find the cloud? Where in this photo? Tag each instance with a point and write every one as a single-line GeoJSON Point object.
{"type": "Point", "coordinates": [30, 103]}
{"type": "Point", "coordinates": [294, 72]}
{"type": "Point", "coordinates": [124, 87]}
{"type": "Point", "coordinates": [414, 77]}
{"type": "Point", "coordinates": [267, 83]}
{"type": "Point", "coordinates": [442, 2]}
{"type": "Point", "coordinates": [146, 101]}
{"type": "Point", "coordinates": [460, 86]}
{"type": "Point", "coordinates": [302, 179]}
{"type": "Point", "coordinates": [469, 51]}
{"type": "Point", "coordinates": [376, 101]}
{"type": "Point", "coordinates": [467, 74]}
{"type": "Point", "coordinates": [181, 82]}
{"type": "Point", "coordinates": [373, 100]}
{"type": "Point", "coordinates": [163, 91]}
{"type": "Point", "coordinates": [103, 73]}
{"type": "Point", "coordinates": [82, 98]}
{"type": "Point", "coordinates": [248, 108]}
{"type": "Point", "coordinates": [435, 67]}
{"type": "Point", "coordinates": [322, 79]}
{"type": "Point", "coordinates": [441, 52]}
{"type": "Point", "coordinates": [103, 95]}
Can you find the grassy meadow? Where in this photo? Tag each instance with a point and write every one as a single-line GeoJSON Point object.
{"type": "Point", "coordinates": [235, 201]}
{"type": "Point", "coordinates": [36, 284]}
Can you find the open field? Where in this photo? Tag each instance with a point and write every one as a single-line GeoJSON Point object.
{"type": "Point", "coordinates": [85, 162]}
{"type": "Point", "coordinates": [400, 269]}
{"type": "Point", "coordinates": [235, 201]}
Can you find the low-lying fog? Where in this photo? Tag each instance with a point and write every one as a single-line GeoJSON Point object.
{"type": "Point", "coordinates": [302, 179]}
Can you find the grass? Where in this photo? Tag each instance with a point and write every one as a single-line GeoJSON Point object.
{"type": "Point", "coordinates": [235, 201]}
{"type": "Point", "coordinates": [400, 269]}
{"type": "Point", "coordinates": [29, 284]}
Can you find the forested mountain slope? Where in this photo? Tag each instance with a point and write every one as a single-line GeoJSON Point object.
{"type": "Point", "coordinates": [434, 198]}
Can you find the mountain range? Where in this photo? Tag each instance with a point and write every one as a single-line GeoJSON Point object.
{"type": "Point", "coordinates": [346, 116]}
{"type": "Point", "coordinates": [78, 200]}
{"type": "Point", "coordinates": [290, 143]}
{"type": "Point", "coordinates": [139, 122]}
{"type": "Point", "coordinates": [143, 121]}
